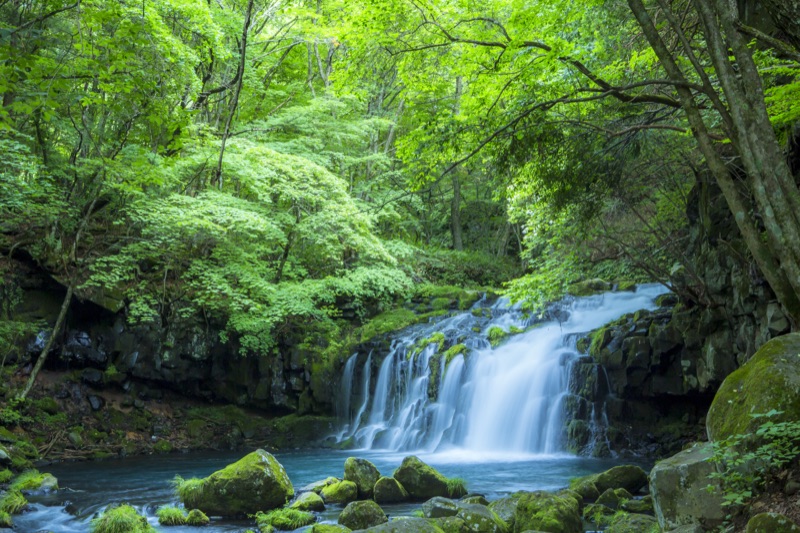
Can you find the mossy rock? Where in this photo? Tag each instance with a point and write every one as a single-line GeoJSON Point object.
{"type": "Point", "coordinates": [569, 493]}
{"type": "Point", "coordinates": [285, 519]}
{"type": "Point", "coordinates": [121, 518]}
{"type": "Point", "coordinates": [420, 480]}
{"type": "Point", "coordinates": [771, 523]}
{"type": "Point", "coordinates": [341, 492]}
{"type": "Point", "coordinates": [769, 381]}
{"type": "Point", "coordinates": [475, 498]}
{"type": "Point", "coordinates": [407, 525]}
{"type": "Point", "coordinates": [5, 476]}
{"type": "Point", "coordinates": [162, 446]}
{"type": "Point", "coordinates": [506, 508]}
{"type": "Point", "coordinates": [544, 511]}
{"type": "Point", "coordinates": [598, 514]}
{"type": "Point", "coordinates": [480, 518]}
{"type": "Point", "coordinates": [329, 528]}
{"type": "Point", "coordinates": [171, 516]}
{"type": "Point", "coordinates": [613, 498]}
{"type": "Point", "coordinates": [439, 507]}
{"type": "Point", "coordinates": [196, 518]}
{"type": "Point", "coordinates": [363, 473]}
{"type": "Point", "coordinates": [452, 524]}
{"type": "Point", "coordinates": [387, 322]}
{"type": "Point", "coordinates": [362, 515]}
{"type": "Point", "coordinates": [389, 490]}
{"type": "Point", "coordinates": [642, 506]}
{"type": "Point", "coordinates": [308, 501]}
{"type": "Point", "coordinates": [257, 482]}
{"type": "Point", "coordinates": [33, 480]}
{"type": "Point", "coordinates": [633, 523]}
{"type": "Point", "coordinates": [589, 287]}
{"type": "Point", "coordinates": [585, 488]}
{"type": "Point", "coordinates": [629, 477]}
{"type": "Point", "coordinates": [626, 286]}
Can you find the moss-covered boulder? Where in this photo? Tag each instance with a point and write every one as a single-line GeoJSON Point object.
{"type": "Point", "coordinates": [506, 508]}
{"type": "Point", "coordinates": [614, 497]}
{"type": "Point", "coordinates": [407, 525]}
{"type": "Point", "coordinates": [362, 515]}
{"type": "Point", "coordinates": [543, 511]}
{"type": "Point", "coordinates": [420, 480]}
{"type": "Point", "coordinates": [585, 488]}
{"type": "Point", "coordinates": [598, 514]}
{"type": "Point", "coordinates": [308, 501]}
{"type": "Point", "coordinates": [771, 523]}
{"type": "Point", "coordinates": [452, 524]}
{"type": "Point", "coordinates": [480, 518]}
{"type": "Point", "coordinates": [196, 518]}
{"type": "Point", "coordinates": [769, 380]}
{"type": "Point", "coordinates": [284, 519]}
{"type": "Point", "coordinates": [475, 498]}
{"type": "Point", "coordinates": [13, 502]}
{"type": "Point", "coordinates": [629, 477]}
{"type": "Point", "coordinates": [257, 482]}
{"type": "Point", "coordinates": [639, 506]}
{"type": "Point", "coordinates": [329, 528]}
{"type": "Point", "coordinates": [121, 518]}
{"type": "Point", "coordinates": [439, 507]}
{"type": "Point", "coordinates": [317, 486]}
{"type": "Point", "coordinates": [341, 492]}
{"type": "Point", "coordinates": [633, 523]}
{"type": "Point", "coordinates": [678, 486]}
{"type": "Point", "coordinates": [589, 287]}
{"type": "Point", "coordinates": [389, 490]}
{"type": "Point", "coordinates": [34, 481]}
{"type": "Point", "coordinates": [363, 473]}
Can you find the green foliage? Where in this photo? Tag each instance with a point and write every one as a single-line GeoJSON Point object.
{"type": "Point", "coordinates": [5, 520]}
{"type": "Point", "coordinates": [13, 502]}
{"type": "Point", "coordinates": [456, 487]}
{"type": "Point", "coordinates": [187, 488]}
{"type": "Point", "coordinates": [121, 519]}
{"type": "Point", "coordinates": [28, 480]}
{"type": "Point", "coordinates": [171, 516]}
{"type": "Point", "coordinates": [12, 413]}
{"type": "Point", "coordinates": [747, 462]}
{"type": "Point", "coordinates": [496, 335]}
{"type": "Point", "coordinates": [5, 476]}
{"type": "Point", "coordinates": [285, 519]}
{"type": "Point", "coordinates": [387, 322]}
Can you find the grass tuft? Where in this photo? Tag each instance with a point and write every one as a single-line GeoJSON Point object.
{"type": "Point", "coordinates": [121, 519]}
{"type": "Point", "coordinates": [456, 487]}
{"type": "Point", "coordinates": [13, 502]}
{"type": "Point", "coordinates": [171, 516]}
{"type": "Point", "coordinates": [285, 519]}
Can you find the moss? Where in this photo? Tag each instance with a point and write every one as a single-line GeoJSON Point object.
{"type": "Point", "coordinates": [5, 520]}
{"type": "Point", "coordinates": [229, 416]}
{"type": "Point", "coordinates": [48, 405]}
{"type": "Point", "coordinates": [453, 351]}
{"type": "Point", "coordinates": [547, 512]}
{"type": "Point", "coordinates": [121, 519]}
{"type": "Point", "coordinates": [589, 287]}
{"type": "Point", "coordinates": [33, 480]}
{"type": "Point", "coordinates": [285, 519]}
{"type": "Point", "coordinates": [362, 515]}
{"type": "Point", "coordinates": [162, 446]}
{"type": "Point", "coordinates": [768, 381]}
{"type": "Point", "coordinates": [330, 528]}
{"type": "Point", "coordinates": [170, 516]}
{"type": "Point", "coordinates": [420, 480]}
{"type": "Point", "coordinates": [626, 286]}
{"type": "Point", "coordinates": [437, 338]}
{"type": "Point", "coordinates": [456, 487]}
{"type": "Point", "coordinates": [496, 335]}
{"type": "Point", "coordinates": [771, 523]}
{"type": "Point", "coordinates": [599, 339]}
{"type": "Point", "coordinates": [341, 492]}
{"type": "Point", "coordinates": [5, 476]}
{"type": "Point", "coordinates": [13, 502]}
{"type": "Point", "coordinates": [196, 428]}
{"type": "Point", "coordinates": [389, 490]}
{"type": "Point", "coordinates": [387, 322]}
{"type": "Point", "coordinates": [439, 304]}
{"type": "Point", "coordinates": [196, 517]}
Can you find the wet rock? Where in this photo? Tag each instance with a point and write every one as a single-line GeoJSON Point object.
{"type": "Point", "coordinates": [329, 528]}
{"type": "Point", "coordinates": [480, 518]}
{"type": "Point", "coordinates": [506, 508]}
{"type": "Point", "coordinates": [362, 515]}
{"type": "Point", "coordinates": [613, 497]}
{"type": "Point", "coordinates": [547, 512]}
{"type": "Point", "coordinates": [771, 523]}
{"type": "Point", "coordinates": [420, 480]}
{"type": "Point", "coordinates": [632, 523]}
{"type": "Point", "coordinates": [363, 473]}
{"type": "Point", "coordinates": [439, 507]}
{"type": "Point", "coordinates": [639, 506]}
{"type": "Point", "coordinates": [257, 482]}
{"type": "Point", "coordinates": [92, 377]}
{"type": "Point", "coordinates": [317, 486]}
{"type": "Point", "coordinates": [341, 492]}
{"type": "Point", "coordinates": [96, 402]}
{"type": "Point", "coordinates": [308, 501]}
{"type": "Point", "coordinates": [389, 490]}
{"type": "Point", "coordinates": [407, 525]}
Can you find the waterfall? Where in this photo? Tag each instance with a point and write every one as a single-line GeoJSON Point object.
{"type": "Point", "coordinates": [506, 399]}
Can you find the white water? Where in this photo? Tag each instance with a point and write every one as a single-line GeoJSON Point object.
{"type": "Point", "coordinates": [503, 402]}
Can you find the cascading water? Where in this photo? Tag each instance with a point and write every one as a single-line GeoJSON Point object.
{"type": "Point", "coordinates": [506, 400]}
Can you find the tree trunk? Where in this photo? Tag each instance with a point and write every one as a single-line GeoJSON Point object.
{"type": "Point", "coordinates": [455, 214]}
{"type": "Point", "coordinates": [43, 356]}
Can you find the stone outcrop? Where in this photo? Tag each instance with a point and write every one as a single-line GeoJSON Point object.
{"type": "Point", "coordinates": [421, 480]}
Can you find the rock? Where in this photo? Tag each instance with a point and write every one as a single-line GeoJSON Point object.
{"type": "Point", "coordinates": [629, 477]}
{"type": "Point", "coordinates": [613, 497]}
{"type": "Point", "coordinates": [475, 498]}
{"type": "Point", "coordinates": [506, 508]}
{"type": "Point", "coordinates": [75, 439]}
{"type": "Point", "coordinates": [329, 528]}
{"type": "Point", "coordinates": [547, 512]}
{"type": "Point", "coordinates": [589, 287]}
{"type": "Point", "coordinates": [363, 473]}
{"type": "Point", "coordinates": [771, 523]}
{"type": "Point", "coordinates": [362, 515]}
{"type": "Point", "coordinates": [196, 517]}
{"type": "Point", "coordinates": [317, 486]}
{"type": "Point", "coordinates": [407, 525]}
{"type": "Point", "coordinates": [5, 459]}
{"type": "Point", "coordinates": [568, 493]}
{"type": "Point", "coordinates": [92, 377]}
{"type": "Point", "coordinates": [598, 514]}
{"type": "Point", "coordinates": [791, 488]}
{"type": "Point", "coordinates": [642, 506]}
{"type": "Point", "coordinates": [257, 482]}
{"type": "Point", "coordinates": [678, 487]}
{"type": "Point", "coordinates": [308, 501]}
{"type": "Point", "coordinates": [632, 523]}
{"type": "Point", "coordinates": [96, 402]}
{"type": "Point", "coordinates": [420, 480]}
{"type": "Point", "coordinates": [341, 492]}
{"type": "Point", "coordinates": [389, 490]}
{"type": "Point", "coordinates": [693, 528]}
{"type": "Point", "coordinates": [585, 488]}
{"type": "Point", "coordinates": [439, 507]}
{"type": "Point", "coordinates": [452, 524]}
{"type": "Point", "coordinates": [770, 380]}
{"type": "Point", "coordinates": [480, 518]}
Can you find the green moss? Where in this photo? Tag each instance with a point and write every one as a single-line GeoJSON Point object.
{"type": "Point", "coordinates": [496, 335]}
{"type": "Point", "coordinates": [387, 322]}
{"type": "Point", "coordinates": [170, 516]}
{"type": "Point", "coordinates": [589, 287]}
{"type": "Point", "coordinates": [456, 487]}
{"type": "Point", "coordinates": [626, 286]}
{"type": "Point", "coordinates": [13, 502]}
{"type": "Point", "coordinates": [5, 520]}
{"type": "Point", "coordinates": [330, 528]}
{"type": "Point", "coordinates": [5, 475]}
{"type": "Point", "coordinates": [438, 304]}
{"type": "Point", "coordinates": [547, 512]}
{"type": "Point", "coordinates": [600, 338]}
{"type": "Point", "coordinates": [341, 492]}
{"type": "Point", "coordinates": [453, 351]}
{"type": "Point", "coordinates": [162, 446]}
{"type": "Point", "coordinates": [285, 519]}
{"type": "Point", "coordinates": [437, 338]}
{"type": "Point", "coordinates": [121, 519]}
{"type": "Point", "coordinates": [48, 405]}
{"type": "Point", "coordinates": [196, 517]}
{"type": "Point", "coordinates": [32, 480]}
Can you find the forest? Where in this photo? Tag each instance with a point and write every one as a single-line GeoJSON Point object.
{"type": "Point", "coordinates": [358, 224]}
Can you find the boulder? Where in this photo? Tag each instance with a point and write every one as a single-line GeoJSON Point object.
{"type": "Point", "coordinates": [329, 528]}
{"type": "Point", "coordinates": [452, 524]}
{"type": "Point", "coordinates": [770, 380]}
{"type": "Point", "coordinates": [308, 501]}
{"type": "Point", "coordinates": [257, 482]}
{"type": "Point", "coordinates": [480, 518]}
{"type": "Point", "coordinates": [585, 488]}
{"type": "Point", "coordinates": [629, 477]}
{"type": "Point", "coordinates": [632, 523]}
{"type": "Point", "coordinates": [362, 515]}
{"type": "Point", "coordinates": [420, 480]}
{"type": "Point", "coordinates": [341, 492]}
{"type": "Point", "coordinates": [389, 490]}
{"type": "Point", "coordinates": [439, 507]}
{"type": "Point", "coordinates": [771, 523]}
{"type": "Point", "coordinates": [613, 497]}
{"type": "Point", "coordinates": [678, 487]}
{"type": "Point", "coordinates": [407, 525]}
{"type": "Point", "coordinates": [363, 473]}
{"type": "Point", "coordinates": [641, 506]}
{"type": "Point", "coordinates": [506, 508]}
{"type": "Point", "coordinates": [547, 512]}
{"type": "Point", "coordinates": [317, 486]}
{"type": "Point", "coordinates": [475, 498]}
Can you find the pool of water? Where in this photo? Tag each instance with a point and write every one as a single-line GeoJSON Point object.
{"type": "Point", "coordinates": [146, 482]}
